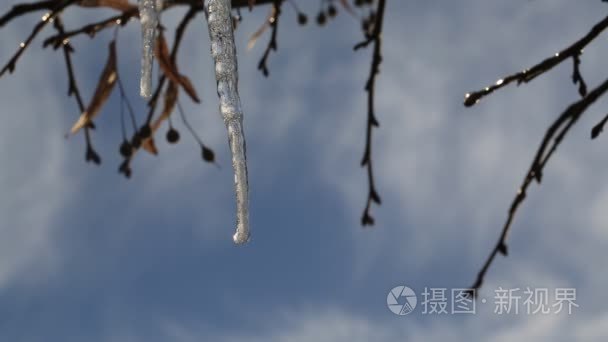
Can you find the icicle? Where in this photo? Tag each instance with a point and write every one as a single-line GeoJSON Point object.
{"type": "Point", "coordinates": [148, 16]}
{"type": "Point", "coordinates": [223, 51]}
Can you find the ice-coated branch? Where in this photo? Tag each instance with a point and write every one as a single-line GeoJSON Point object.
{"type": "Point", "coordinates": [223, 51]}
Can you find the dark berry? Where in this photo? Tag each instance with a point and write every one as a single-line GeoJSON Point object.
{"type": "Point", "coordinates": [302, 19]}
{"type": "Point", "coordinates": [208, 155]}
{"type": "Point", "coordinates": [321, 18]}
{"type": "Point", "coordinates": [136, 142]}
{"type": "Point", "coordinates": [126, 149]}
{"type": "Point", "coordinates": [145, 131]}
{"type": "Point", "coordinates": [172, 135]}
{"type": "Point", "coordinates": [332, 11]}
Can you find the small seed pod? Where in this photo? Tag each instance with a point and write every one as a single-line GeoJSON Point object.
{"type": "Point", "coordinates": [302, 19]}
{"type": "Point", "coordinates": [208, 155]}
{"type": "Point", "coordinates": [321, 18]}
{"type": "Point", "coordinates": [126, 149]}
{"type": "Point", "coordinates": [145, 131]}
{"type": "Point", "coordinates": [332, 11]}
{"type": "Point", "coordinates": [136, 142]}
{"type": "Point", "coordinates": [172, 135]}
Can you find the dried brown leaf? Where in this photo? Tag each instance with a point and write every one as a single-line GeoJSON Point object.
{"type": "Point", "coordinates": [119, 5]}
{"type": "Point", "coordinates": [170, 101]}
{"type": "Point", "coordinates": [258, 33]}
{"type": "Point", "coordinates": [150, 146]}
{"type": "Point", "coordinates": [106, 84]}
{"type": "Point", "coordinates": [170, 69]}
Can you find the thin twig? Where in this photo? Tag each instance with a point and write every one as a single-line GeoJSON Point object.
{"type": "Point", "coordinates": [527, 75]}
{"type": "Point", "coordinates": [376, 39]}
{"type": "Point", "coordinates": [21, 9]}
{"type": "Point", "coordinates": [73, 90]}
{"type": "Point", "coordinates": [553, 137]}
{"type": "Point", "coordinates": [60, 5]}
{"type": "Point", "coordinates": [272, 44]}
{"type": "Point", "coordinates": [91, 29]}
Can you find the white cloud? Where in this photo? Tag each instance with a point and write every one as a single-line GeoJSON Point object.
{"type": "Point", "coordinates": [446, 174]}
{"type": "Point", "coordinates": [335, 325]}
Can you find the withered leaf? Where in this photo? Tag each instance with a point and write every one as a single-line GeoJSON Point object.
{"type": "Point", "coordinates": [106, 84]}
{"type": "Point", "coordinates": [170, 69]}
{"type": "Point", "coordinates": [120, 5]}
{"type": "Point", "coordinates": [149, 145]}
{"type": "Point", "coordinates": [170, 101]}
{"type": "Point", "coordinates": [258, 33]}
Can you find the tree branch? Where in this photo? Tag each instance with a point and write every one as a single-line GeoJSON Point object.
{"type": "Point", "coordinates": [553, 137]}
{"type": "Point", "coordinates": [91, 154]}
{"type": "Point", "coordinates": [272, 44]}
{"type": "Point", "coordinates": [376, 39]}
{"type": "Point", "coordinates": [56, 9]}
{"type": "Point", "coordinates": [91, 29]}
{"type": "Point", "coordinates": [21, 9]}
{"type": "Point", "coordinates": [527, 75]}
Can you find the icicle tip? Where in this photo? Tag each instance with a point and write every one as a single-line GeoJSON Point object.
{"type": "Point", "coordinates": [241, 237]}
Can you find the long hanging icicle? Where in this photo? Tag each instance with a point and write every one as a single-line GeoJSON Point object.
{"type": "Point", "coordinates": [148, 16]}
{"type": "Point", "coordinates": [223, 51]}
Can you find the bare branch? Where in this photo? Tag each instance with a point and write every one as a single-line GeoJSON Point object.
{"type": "Point", "coordinates": [56, 9]}
{"type": "Point", "coordinates": [272, 44]}
{"type": "Point", "coordinates": [91, 29]}
{"type": "Point", "coordinates": [376, 39]}
{"type": "Point", "coordinates": [527, 75]}
{"type": "Point", "coordinates": [91, 154]}
{"type": "Point", "coordinates": [21, 9]}
{"type": "Point", "coordinates": [553, 137]}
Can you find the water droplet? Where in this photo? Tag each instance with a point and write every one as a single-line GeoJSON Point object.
{"type": "Point", "coordinates": [499, 82]}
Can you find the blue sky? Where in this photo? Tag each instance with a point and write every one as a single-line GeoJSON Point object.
{"type": "Point", "coordinates": [86, 255]}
